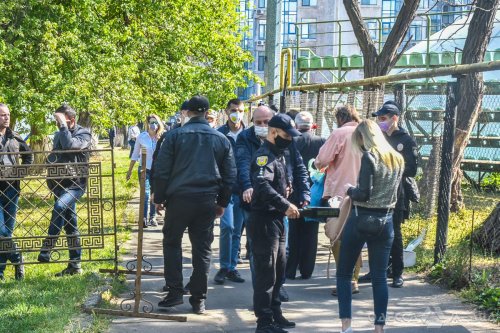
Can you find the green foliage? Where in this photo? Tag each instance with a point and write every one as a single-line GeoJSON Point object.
{"type": "Point", "coordinates": [115, 61]}
{"type": "Point", "coordinates": [484, 293]}
{"type": "Point", "coordinates": [492, 182]}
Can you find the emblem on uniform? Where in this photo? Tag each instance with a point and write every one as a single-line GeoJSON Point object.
{"type": "Point", "coordinates": [261, 161]}
{"type": "Point", "coordinates": [400, 147]}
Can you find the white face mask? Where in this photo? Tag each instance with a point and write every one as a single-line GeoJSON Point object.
{"type": "Point", "coordinates": [236, 117]}
{"type": "Point", "coordinates": [212, 124]}
{"type": "Point", "coordinates": [261, 131]}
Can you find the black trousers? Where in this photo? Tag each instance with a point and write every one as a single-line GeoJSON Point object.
{"type": "Point", "coordinates": [197, 214]}
{"type": "Point", "coordinates": [302, 247]}
{"type": "Point", "coordinates": [267, 232]}
{"type": "Point", "coordinates": [396, 259]}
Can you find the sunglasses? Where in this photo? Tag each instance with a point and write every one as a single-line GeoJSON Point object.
{"type": "Point", "coordinates": [153, 123]}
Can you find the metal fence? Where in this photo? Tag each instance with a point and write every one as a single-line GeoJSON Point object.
{"type": "Point", "coordinates": [25, 226]}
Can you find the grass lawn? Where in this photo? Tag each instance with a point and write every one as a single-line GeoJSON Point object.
{"type": "Point", "coordinates": [476, 277]}
{"type": "Point", "coordinates": [44, 303]}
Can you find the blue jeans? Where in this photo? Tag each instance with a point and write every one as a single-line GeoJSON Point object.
{"type": "Point", "coordinates": [147, 203]}
{"type": "Point", "coordinates": [379, 249]}
{"type": "Point", "coordinates": [8, 209]}
{"type": "Point", "coordinates": [230, 234]}
{"type": "Point", "coordinates": [64, 215]}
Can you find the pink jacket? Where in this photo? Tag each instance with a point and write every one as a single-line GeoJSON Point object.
{"type": "Point", "coordinates": [340, 159]}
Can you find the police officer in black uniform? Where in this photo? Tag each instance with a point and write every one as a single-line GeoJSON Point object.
{"type": "Point", "coordinates": [402, 142]}
{"type": "Point", "coordinates": [194, 176]}
{"type": "Point", "coordinates": [272, 184]}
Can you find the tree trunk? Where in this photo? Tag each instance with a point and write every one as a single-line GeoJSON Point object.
{"type": "Point", "coordinates": [471, 89]}
{"type": "Point", "coordinates": [488, 235]}
{"type": "Point", "coordinates": [39, 142]}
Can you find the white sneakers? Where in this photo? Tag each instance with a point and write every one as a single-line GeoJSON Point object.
{"type": "Point", "coordinates": [349, 330]}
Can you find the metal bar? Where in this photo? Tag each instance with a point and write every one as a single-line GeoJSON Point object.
{"type": "Point", "coordinates": [390, 17]}
{"type": "Point", "coordinates": [126, 271]}
{"type": "Point", "coordinates": [140, 233]}
{"type": "Point", "coordinates": [115, 226]}
{"type": "Point", "coordinates": [297, 51]}
{"type": "Point", "coordinates": [137, 315]}
{"type": "Point", "coordinates": [443, 71]}
{"type": "Point", "coordinates": [446, 171]}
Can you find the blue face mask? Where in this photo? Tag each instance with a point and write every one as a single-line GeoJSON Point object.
{"type": "Point", "coordinates": [385, 125]}
{"type": "Point", "coordinates": [153, 126]}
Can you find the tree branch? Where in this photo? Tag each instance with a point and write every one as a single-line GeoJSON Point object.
{"type": "Point", "coordinates": [363, 37]}
{"type": "Point", "coordinates": [396, 36]}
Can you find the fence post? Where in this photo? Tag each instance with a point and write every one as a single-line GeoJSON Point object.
{"type": "Point", "coordinates": [400, 98]}
{"type": "Point", "coordinates": [446, 171]}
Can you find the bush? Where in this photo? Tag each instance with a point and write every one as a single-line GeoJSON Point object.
{"type": "Point", "coordinates": [485, 293]}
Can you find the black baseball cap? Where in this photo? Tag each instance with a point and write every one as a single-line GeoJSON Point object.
{"type": "Point", "coordinates": [198, 103]}
{"type": "Point", "coordinates": [284, 122]}
{"type": "Point", "coordinates": [389, 107]}
{"type": "Point", "coordinates": [184, 105]}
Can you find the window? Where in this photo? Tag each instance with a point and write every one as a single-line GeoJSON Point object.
{"type": "Point", "coordinates": [309, 30]}
{"type": "Point", "coordinates": [291, 28]}
{"type": "Point", "coordinates": [261, 4]}
{"type": "Point", "coordinates": [368, 2]}
{"type": "Point", "coordinates": [261, 59]}
{"type": "Point", "coordinates": [308, 3]}
{"type": "Point", "coordinates": [262, 31]}
{"type": "Point", "coordinates": [372, 30]}
{"type": "Point", "coordinates": [386, 28]}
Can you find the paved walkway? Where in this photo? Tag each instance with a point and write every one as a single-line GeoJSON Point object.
{"type": "Point", "coordinates": [418, 307]}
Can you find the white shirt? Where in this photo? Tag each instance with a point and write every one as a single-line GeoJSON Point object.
{"type": "Point", "coordinates": [235, 135]}
{"type": "Point", "coordinates": [144, 140]}
{"type": "Point", "coordinates": [133, 132]}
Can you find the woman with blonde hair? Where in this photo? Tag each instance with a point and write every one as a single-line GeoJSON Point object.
{"type": "Point", "coordinates": [341, 163]}
{"type": "Point", "coordinates": [370, 221]}
{"type": "Point", "coordinates": [147, 139]}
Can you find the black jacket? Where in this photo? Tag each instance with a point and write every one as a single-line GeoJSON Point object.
{"type": "Point", "coordinates": [195, 160]}
{"type": "Point", "coordinates": [404, 144]}
{"type": "Point", "coordinates": [299, 177]}
{"type": "Point", "coordinates": [225, 129]}
{"type": "Point", "coordinates": [246, 147]}
{"type": "Point", "coordinates": [308, 145]}
{"type": "Point", "coordinates": [13, 143]}
{"type": "Point", "coordinates": [77, 138]}
{"type": "Point", "coordinates": [271, 175]}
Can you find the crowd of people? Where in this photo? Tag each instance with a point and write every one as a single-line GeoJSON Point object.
{"type": "Point", "coordinates": [249, 177]}
{"type": "Point", "coordinates": [256, 178]}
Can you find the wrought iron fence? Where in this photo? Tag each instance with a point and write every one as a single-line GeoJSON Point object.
{"type": "Point", "coordinates": [29, 191]}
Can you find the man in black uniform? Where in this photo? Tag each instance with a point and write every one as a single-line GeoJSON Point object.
{"type": "Point", "coordinates": [303, 236]}
{"type": "Point", "coordinates": [402, 142]}
{"type": "Point", "coordinates": [194, 176]}
{"type": "Point", "coordinates": [272, 184]}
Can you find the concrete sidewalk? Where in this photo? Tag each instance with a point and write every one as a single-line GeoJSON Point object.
{"type": "Point", "coordinates": [418, 307]}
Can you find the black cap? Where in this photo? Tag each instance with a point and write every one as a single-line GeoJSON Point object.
{"type": "Point", "coordinates": [198, 103]}
{"type": "Point", "coordinates": [389, 107]}
{"type": "Point", "coordinates": [184, 105]}
{"type": "Point", "coordinates": [284, 122]}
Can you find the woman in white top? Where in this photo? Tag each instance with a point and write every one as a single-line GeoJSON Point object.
{"type": "Point", "coordinates": [148, 140]}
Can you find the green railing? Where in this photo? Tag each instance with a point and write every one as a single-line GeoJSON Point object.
{"type": "Point", "coordinates": [336, 61]}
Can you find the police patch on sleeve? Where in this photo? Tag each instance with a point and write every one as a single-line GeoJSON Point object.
{"type": "Point", "coordinates": [261, 161]}
{"type": "Point", "coordinates": [400, 147]}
